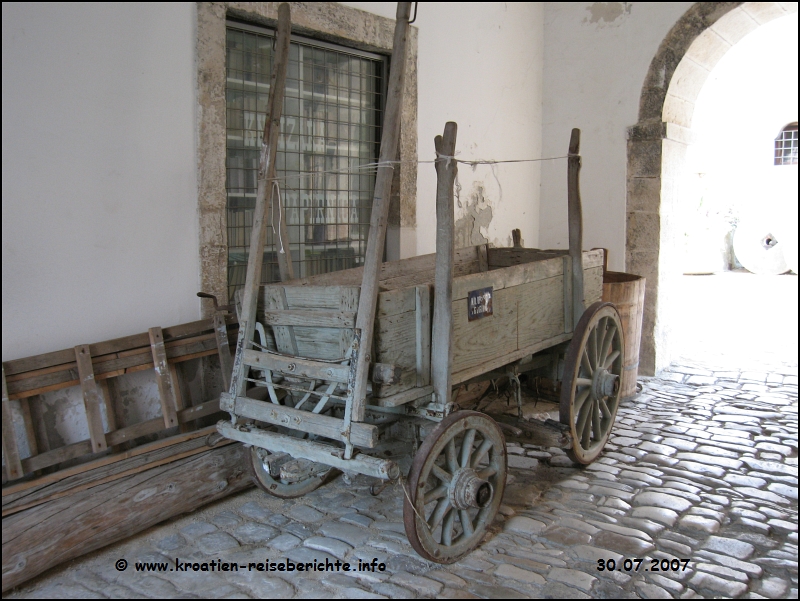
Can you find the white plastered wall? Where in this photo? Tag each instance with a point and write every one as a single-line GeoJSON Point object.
{"type": "Point", "coordinates": [596, 56]}
{"type": "Point", "coordinates": [480, 65]}
{"type": "Point", "coordinates": [99, 172]}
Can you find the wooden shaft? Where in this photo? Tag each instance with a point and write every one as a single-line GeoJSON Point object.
{"type": "Point", "coordinates": [10, 448]}
{"type": "Point", "coordinates": [575, 216]}
{"type": "Point", "coordinates": [390, 137]}
{"type": "Point", "coordinates": [442, 351]}
{"type": "Point", "coordinates": [258, 235]}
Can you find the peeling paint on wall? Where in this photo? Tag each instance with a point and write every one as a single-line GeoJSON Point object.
{"type": "Point", "coordinates": [472, 227]}
{"type": "Point", "coordinates": [605, 14]}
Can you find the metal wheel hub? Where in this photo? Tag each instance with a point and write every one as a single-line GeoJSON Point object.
{"type": "Point", "coordinates": [468, 490]}
{"type": "Point", "coordinates": [604, 384]}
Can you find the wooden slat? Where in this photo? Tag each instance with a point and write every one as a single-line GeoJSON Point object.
{"type": "Point", "coordinates": [363, 435]}
{"type": "Point", "coordinates": [224, 349]}
{"type": "Point", "coordinates": [423, 334]}
{"type": "Point", "coordinates": [310, 318]}
{"type": "Point", "coordinates": [67, 356]}
{"type": "Point", "coordinates": [406, 396]}
{"type": "Point", "coordinates": [108, 387]}
{"type": "Point", "coordinates": [92, 398]}
{"type": "Point", "coordinates": [348, 305]}
{"type": "Point", "coordinates": [275, 299]}
{"type": "Point", "coordinates": [483, 257]}
{"type": "Point", "coordinates": [166, 388]}
{"type": "Point", "coordinates": [569, 314]}
{"type": "Point", "coordinates": [116, 437]}
{"type": "Point", "coordinates": [27, 421]}
{"type": "Point", "coordinates": [541, 311]}
{"type": "Point", "coordinates": [109, 367]}
{"type": "Point", "coordinates": [478, 341]}
{"type": "Point", "coordinates": [10, 447]}
{"type": "Point", "coordinates": [302, 368]}
{"type": "Point", "coordinates": [37, 416]}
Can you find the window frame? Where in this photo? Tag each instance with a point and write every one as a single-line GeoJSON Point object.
{"type": "Point", "coordinates": [780, 155]}
{"type": "Point", "coordinates": [322, 22]}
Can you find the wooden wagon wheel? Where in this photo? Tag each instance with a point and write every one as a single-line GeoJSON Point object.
{"type": "Point", "coordinates": [455, 486]}
{"type": "Point", "coordinates": [267, 475]}
{"type": "Point", "coordinates": [590, 389]}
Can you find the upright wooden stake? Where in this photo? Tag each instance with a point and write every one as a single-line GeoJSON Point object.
{"type": "Point", "coordinates": [442, 353]}
{"type": "Point", "coordinates": [575, 216]}
{"type": "Point", "coordinates": [390, 136]}
{"type": "Point", "coordinates": [266, 175]}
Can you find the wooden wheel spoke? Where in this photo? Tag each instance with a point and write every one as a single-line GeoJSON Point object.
{"type": "Point", "coordinates": [583, 428]}
{"type": "Point", "coordinates": [583, 382]}
{"type": "Point", "coordinates": [591, 345]}
{"type": "Point", "coordinates": [611, 358]}
{"type": "Point", "coordinates": [600, 338]}
{"type": "Point", "coordinates": [580, 400]}
{"type": "Point", "coordinates": [466, 522]}
{"type": "Point", "coordinates": [487, 472]}
{"type": "Point", "coordinates": [586, 363]}
{"type": "Point", "coordinates": [441, 474]}
{"type": "Point", "coordinates": [442, 507]}
{"type": "Point", "coordinates": [450, 453]}
{"type": "Point", "coordinates": [609, 338]}
{"type": "Point", "coordinates": [447, 529]}
{"type": "Point", "coordinates": [436, 493]}
{"type": "Point", "coordinates": [466, 448]}
{"type": "Point", "coordinates": [604, 408]}
{"type": "Point", "coordinates": [480, 453]}
{"type": "Point", "coordinates": [596, 420]}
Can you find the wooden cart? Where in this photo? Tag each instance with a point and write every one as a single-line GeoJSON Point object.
{"type": "Point", "coordinates": [331, 372]}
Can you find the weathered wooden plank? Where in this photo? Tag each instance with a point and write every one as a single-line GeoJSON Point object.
{"type": "Point", "coordinates": [500, 361]}
{"type": "Point", "coordinates": [275, 300]}
{"type": "Point", "coordinates": [109, 390]}
{"type": "Point", "coordinates": [180, 351]}
{"type": "Point", "coordinates": [116, 437]}
{"type": "Point", "coordinates": [475, 342]}
{"type": "Point", "coordinates": [569, 314]}
{"type": "Point", "coordinates": [57, 359]}
{"type": "Point", "coordinates": [166, 388]}
{"type": "Point", "coordinates": [27, 422]}
{"type": "Point", "coordinates": [575, 219]}
{"type": "Point", "coordinates": [406, 396]}
{"type": "Point", "coordinates": [297, 367]}
{"type": "Point", "coordinates": [392, 302]}
{"type": "Point", "coordinates": [444, 338]}
{"type": "Point", "coordinates": [310, 318]}
{"type": "Point", "coordinates": [348, 304]}
{"type": "Point", "coordinates": [406, 379]}
{"type": "Point", "coordinates": [592, 285]}
{"type": "Point", "coordinates": [10, 447]}
{"type": "Point", "coordinates": [541, 311]}
{"type": "Point", "coordinates": [507, 277]}
{"type": "Point", "coordinates": [224, 349]}
{"type": "Point", "coordinates": [37, 539]}
{"type": "Point", "coordinates": [311, 297]}
{"type": "Point", "coordinates": [37, 416]}
{"type": "Point", "coordinates": [483, 257]}
{"type": "Point", "coordinates": [92, 398]}
{"type": "Point", "coordinates": [395, 340]}
{"type": "Point", "coordinates": [422, 322]}
{"type": "Point", "coordinates": [361, 434]}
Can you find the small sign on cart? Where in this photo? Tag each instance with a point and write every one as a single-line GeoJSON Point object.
{"type": "Point", "coordinates": [479, 303]}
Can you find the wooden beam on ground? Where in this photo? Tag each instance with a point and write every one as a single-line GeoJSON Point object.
{"type": "Point", "coordinates": [390, 137]}
{"type": "Point", "coordinates": [37, 539]}
{"type": "Point", "coordinates": [442, 352]}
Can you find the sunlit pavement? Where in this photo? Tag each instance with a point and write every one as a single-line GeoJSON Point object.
{"type": "Point", "coordinates": [699, 481]}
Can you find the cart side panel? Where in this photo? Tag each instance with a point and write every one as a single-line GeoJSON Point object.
{"type": "Point", "coordinates": [476, 341]}
{"type": "Point", "coordinates": [592, 284]}
{"type": "Point", "coordinates": [541, 310]}
{"type": "Point", "coordinates": [396, 338]}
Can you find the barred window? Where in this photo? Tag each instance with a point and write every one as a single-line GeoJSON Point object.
{"type": "Point", "coordinates": [786, 146]}
{"type": "Point", "coordinates": [330, 127]}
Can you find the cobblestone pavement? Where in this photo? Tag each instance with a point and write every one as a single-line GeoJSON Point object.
{"type": "Point", "coordinates": [701, 466]}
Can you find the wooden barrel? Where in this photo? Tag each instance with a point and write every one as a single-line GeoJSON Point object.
{"type": "Point", "coordinates": [626, 291]}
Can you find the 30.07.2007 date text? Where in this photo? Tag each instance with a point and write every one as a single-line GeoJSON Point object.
{"type": "Point", "coordinates": [633, 565]}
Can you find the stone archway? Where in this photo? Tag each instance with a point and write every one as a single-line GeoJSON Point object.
{"type": "Point", "coordinates": [657, 149]}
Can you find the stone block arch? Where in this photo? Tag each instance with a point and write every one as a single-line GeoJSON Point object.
{"type": "Point", "coordinates": [657, 148]}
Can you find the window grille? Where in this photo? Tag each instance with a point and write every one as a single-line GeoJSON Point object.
{"type": "Point", "coordinates": [786, 146]}
{"type": "Point", "coordinates": [331, 119]}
